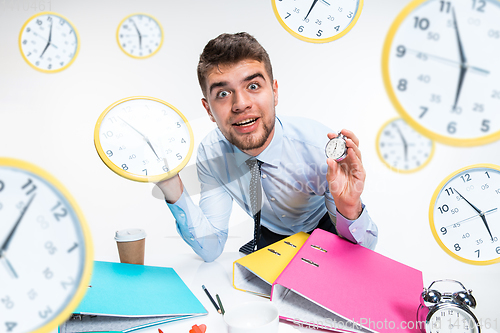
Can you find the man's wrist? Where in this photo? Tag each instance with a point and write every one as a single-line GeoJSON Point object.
{"type": "Point", "coordinates": [351, 212]}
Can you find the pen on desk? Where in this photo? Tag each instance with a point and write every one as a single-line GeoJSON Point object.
{"type": "Point", "coordinates": [211, 299]}
{"type": "Point", "coordinates": [220, 303]}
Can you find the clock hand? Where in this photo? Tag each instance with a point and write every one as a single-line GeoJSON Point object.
{"type": "Point", "coordinates": [463, 61]}
{"type": "Point", "coordinates": [472, 217]}
{"type": "Point", "coordinates": [405, 145]}
{"type": "Point", "coordinates": [481, 214]}
{"type": "Point", "coordinates": [7, 241]}
{"type": "Point", "coordinates": [312, 6]}
{"type": "Point", "coordinates": [48, 42]}
{"type": "Point", "coordinates": [145, 137]}
{"type": "Point", "coordinates": [449, 61]}
{"type": "Point", "coordinates": [8, 266]}
{"type": "Point", "coordinates": [139, 33]}
{"type": "Point", "coordinates": [326, 3]}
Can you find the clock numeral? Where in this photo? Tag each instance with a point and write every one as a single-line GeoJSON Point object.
{"type": "Point", "coordinates": [433, 36]}
{"type": "Point", "coordinates": [124, 167]}
{"type": "Point", "coordinates": [45, 313]}
{"type": "Point", "coordinates": [424, 78]}
{"type": "Point", "coordinates": [2, 186]}
{"type": "Point", "coordinates": [43, 223]}
{"type": "Point", "coordinates": [485, 126]}
{"type": "Point", "coordinates": [48, 273]}
{"type": "Point", "coordinates": [183, 141]}
{"type": "Point", "coordinates": [479, 242]}
{"type": "Point", "coordinates": [350, 14]}
{"type": "Point", "coordinates": [39, 22]}
{"type": "Point", "coordinates": [497, 191]}
{"type": "Point", "coordinates": [484, 187]}
{"type": "Point", "coordinates": [319, 33]}
{"type": "Point", "coordinates": [179, 156]}
{"type": "Point", "coordinates": [478, 107]}
{"type": "Point", "coordinates": [466, 178]}
{"type": "Point", "coordinates": [443, 230]}
{"type": "Point", "coordinates": [452, 127]}
{"type": "Point", "coordinates": [401, 51]}
{"type": "Point", "coordinates": [445, 6]}
{"type": "Point", "coordinates": [478, 252]}
{"type": "Point", "coordinates": [497, 250]}
{"type": "Point", "coordinates": [494, 33]}
{"type": "Point", "coordinates": [457, 247]}
{"type": "Point", "coordinates": [61, 213]}
{"type": "Point", "coordinates": [164, 168]}
{"type": "Point", "coordinates": [73, 247]}
{"type": "Point", "coordinates": [466, 235]}
{"type": "Point", "coordinates": [145, 171]}
{"type": "Point", "coordinates": [494, 240]}
{"type": "Point", "coordinates": [131, 157]}
{"type": "Point", "coordinates": [61, 21]}
{"type": "Point", "coordinates": [29, 186]}
{"type": "Point", "coordinates": [479, 5]}
{"type": "Point", "coordinates": [32, 294]}
{"type": "Point", "coordinates": [10, 325]}
{"type": "Point", "coordinates": [424, 111]}
{"type": "Point", "coordinates": [443, 209]}
{"type": "Point", "coordinates": [50, 248]}
{"type": "Point", "coordinates": [331, 18]}
{"type": "Point", "coordinates": [422, 24]}
{"type": "Point", "coordinates": [288, 15]}
{"type": "Point", "coordinates": [449, 191]}
{"type": "Point", "coordinates": [301, 28]}
{"type": "Point", "coordinates": [402, 85]}
{"type": "Point", "coordinates": [495, 94]}
{"type": "Point", "coordinates": [7, 302]}
{"type": "Point", "coordinates": [337, 28]}
{"type": "Point", "coordinates": [68, 283]}
{"type": "Point", "coordinates": [436, 98]}
{"type": "Point", "coordinates": [108, 134]}
{"type": "Point", "coordinates": [296, 10]}
{"type": "Point", "coordinates": [109, 153]}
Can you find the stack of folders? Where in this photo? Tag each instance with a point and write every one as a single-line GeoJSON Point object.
{"type": "Point", "coordinates": [335, 285]}
{"type": "Point", "coordinates": [256, 272]}
{"type": "Point", "coordinates": [127, 297]}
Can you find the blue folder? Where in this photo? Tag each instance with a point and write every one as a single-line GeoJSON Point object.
{"type": "Point", "coordinates": [127, 297]}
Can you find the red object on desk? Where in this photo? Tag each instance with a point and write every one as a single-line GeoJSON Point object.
{"type": "Point", "coordinates": [198, 329]}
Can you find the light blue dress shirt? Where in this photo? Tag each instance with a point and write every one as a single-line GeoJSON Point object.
{"type": "Point", "coordinates": [296, 194]}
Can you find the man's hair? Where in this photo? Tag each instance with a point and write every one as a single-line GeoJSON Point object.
{"type": "Point", "coordinates": [228, 49]}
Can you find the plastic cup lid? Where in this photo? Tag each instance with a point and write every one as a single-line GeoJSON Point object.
{"type": "Point", "coordinates": [130, 235]}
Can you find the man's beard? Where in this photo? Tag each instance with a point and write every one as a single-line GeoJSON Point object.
{"type": "Point", "coordinates": [249, 142]}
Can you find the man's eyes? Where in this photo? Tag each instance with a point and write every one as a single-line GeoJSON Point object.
{"type": "Point", "coordinates": [223, 94]}
{"type": "Point", "coordinates": [253, 86]}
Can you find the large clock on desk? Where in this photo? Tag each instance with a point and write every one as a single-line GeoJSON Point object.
{"type": "Point", "coordinates": [46, 252]}
{"type": "Point", "coordinates": [143, 139]}
{"type": "Point", "coordinates": [139, 35]}
{"type": "Point", "coordinates": [49, 42]}
{"type": "Point", "coordinates": [441, 70]}
{"type": "Point", "coordinates": [464, 214]}
{"type": "Point", "coordinates": [317, 21]}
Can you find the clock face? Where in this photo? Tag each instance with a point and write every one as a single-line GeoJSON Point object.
{"type": "Point", "coordinates": [453, 320]}
{"type": "Point", "coordinates": [336, 148]}
{"type": "Point", "coordinates": [143, 139]}
{"type": "Point", "coordinates": [464, 214]}
{"type": "Point", "coordinates": [441, 70]}
{"type": "Point", "coordinates": [139, 35]}
{"type": "Point", "coordinates": [49, 42]}
{"type": "Point", "coordinates": [317, 21]}
{"type": "Point", "coordinates": [45, 250]}
{"type": "Point", "coordinates": [403, 149]}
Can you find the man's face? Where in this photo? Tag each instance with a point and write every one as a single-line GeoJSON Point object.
{"type": "Point", "coordinates": [241, 99]}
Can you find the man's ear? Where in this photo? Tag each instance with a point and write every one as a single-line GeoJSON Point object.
{"type": "Point", "coordinates": [207, 107]}
{"type": "Point", "coordinates": [275, 91]}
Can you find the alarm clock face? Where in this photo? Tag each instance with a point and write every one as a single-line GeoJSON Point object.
{"type": "Point", "coordinates": [403, 149]}
{"type": "Point", "coordinates": [317, 21]}
{"type": "Point", "coordinates": [143, 139]}
{"type": "Point", "coordinates": [49, 42]}
{"type": "Point", "coordinates": [464, 214]}
{"type": "Point", "coordinates": [452, 319]}
{"type": "Point", "coordinates": [336, 148]}
{"type": "Point", "coordinates": [139, 35]}
{"type": "Point", "coordinates": [45, 250]}
{"type": "Point", "coordinates": [441, 70]}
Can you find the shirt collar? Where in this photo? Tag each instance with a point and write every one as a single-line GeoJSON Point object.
{"type": "Point", "coordinates": [271, 155]}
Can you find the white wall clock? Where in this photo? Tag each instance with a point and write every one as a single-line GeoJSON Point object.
{"type": "Point", "coordinates": [143, 139]}
{"type": "Point", "coordinates": [464, 214]}
{"type": "Point", "coordinates": [49, 42]}
{"type": "Point", "coordinates": [139, 35]}
{"type": "Point", "coordinates": [45, 250]}
{"type": "Point", "coordinates": [401, 148]}
{"type": "Point", "coordinates": [317, 21]}
{"type": "Point", "coordinates": [441, 70]}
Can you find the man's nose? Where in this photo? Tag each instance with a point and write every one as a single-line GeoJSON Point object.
{"type": "Point", "coordinates": [241, 101]}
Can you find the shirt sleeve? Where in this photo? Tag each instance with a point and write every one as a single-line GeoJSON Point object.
{"type": "Point", "coordinates": [204, 227]}
{"type": "Point", "coordinates": [362, 231]}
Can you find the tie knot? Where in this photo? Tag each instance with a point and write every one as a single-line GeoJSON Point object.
{"type": "Point", "coordinates": [252, 162]}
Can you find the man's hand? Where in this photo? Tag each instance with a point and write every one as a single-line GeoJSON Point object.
{"type": "Point", "coordinates": [346, 179]}
{"type": "Point", "coordinates": [172, 188]}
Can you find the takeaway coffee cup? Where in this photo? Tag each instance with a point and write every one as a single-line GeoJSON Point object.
{"type": "Point", "coordinates": [131, 244]}
{"type": "Point", "coordinates": [253, 317]}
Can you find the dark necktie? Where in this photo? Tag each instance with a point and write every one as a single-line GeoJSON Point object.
{"type": "Point", "coordinates": [255, 203]}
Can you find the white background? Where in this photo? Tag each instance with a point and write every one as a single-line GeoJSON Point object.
{"type": "Point", "coordinates": [49, 119]}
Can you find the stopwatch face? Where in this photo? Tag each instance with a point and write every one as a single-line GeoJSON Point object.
{"type": "Point", "coordinates": [464, 214]}
{"type": "Point", "coordinates": [336, 149]}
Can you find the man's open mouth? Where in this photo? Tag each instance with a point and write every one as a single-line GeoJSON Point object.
{"type": "Point", "coordinates": [246, 122]}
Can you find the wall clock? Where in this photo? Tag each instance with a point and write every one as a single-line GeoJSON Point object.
{"type": "Point", "coordinates": [49, 42]}
{"type": "Point", "coordinates": [401, 148]}
{"type": "Point", "coordinates": [45, 250]}
{"type": "Point", "coordinates": [139, 35]}
{"type": "Point", "coordinates": [441, 71]}
{"type": "Point", "coordinates": [464, 214]}
{"type": "Point", "coordinates": [317, 21]}
{"type": "Point", "coordinates": [143, 139]}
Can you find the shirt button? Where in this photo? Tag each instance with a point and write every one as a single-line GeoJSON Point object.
{"type": "Point", "coordinates": [283, 215]}
{"type": "Point", "coordinates": [183, 215]}
{"type": "Point", "coordinates": [272, 199]}
{"type": "Point", "coordinates": [354, 230]}
{"type": "Point", "coordinates": [264, 176]}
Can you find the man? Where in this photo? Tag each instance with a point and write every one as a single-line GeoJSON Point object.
{"type": "Point", "coordinates": [302, 190]}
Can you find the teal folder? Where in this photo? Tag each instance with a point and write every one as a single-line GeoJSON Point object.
{"type": "Point", "coordinates": [127, 297]}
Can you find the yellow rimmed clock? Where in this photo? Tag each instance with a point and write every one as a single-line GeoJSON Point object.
{"type": "Point", "coordinates": [46, 251]}
{"type": "Point", "coordinates": [464, 214]}
{"type": "Point", "coordinates": [143, 139]}
{"type": "Point", "coordinates": [139, 35]}
{"type": "Point", "coordinates": [401, 148]}
{"type": "Point", "coordinates": [441, 71]}
{"type": "Point", "coordinates": [317, 21]}
{"type": "Point", "coordinates": [49, 42]}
